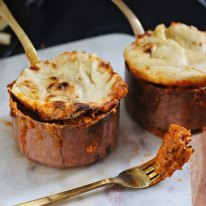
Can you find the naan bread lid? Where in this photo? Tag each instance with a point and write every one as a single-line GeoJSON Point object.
{"type": "Point", "coordinates": [173, 56]}
{"type": "Point", "coordinates": [72, 84]}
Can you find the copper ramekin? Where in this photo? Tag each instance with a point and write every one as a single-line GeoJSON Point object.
{"type": "Point", "coordinates": [155, 107]}
{"type": "Point", "coordinates": [64, 146]}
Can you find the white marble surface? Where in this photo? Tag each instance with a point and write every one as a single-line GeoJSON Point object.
{"type": "Point", "coordinates": [22, 179]}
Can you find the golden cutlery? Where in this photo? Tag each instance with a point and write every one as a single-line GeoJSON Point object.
{"type": "Point", "coordinates": [138, 177]}
{"type": "Point", "coordinates": [174, 152]}
{"type": "Point", "coordinates": [131, 17]}
{"type": "Point", "coordinates": [23, 38]}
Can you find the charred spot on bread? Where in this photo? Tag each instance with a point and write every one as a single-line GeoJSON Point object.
{"type": "Point", "coordinates": [63, 85]}
{"type": "Point", "coordinates": [34, 68]}
{"type": "Point", "coordinates": [54, 78]}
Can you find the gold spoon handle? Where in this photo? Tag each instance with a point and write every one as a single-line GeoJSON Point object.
{"type": "Point", "coordinates": [26, 43]}
{"type": "Point", "coordinates": [68, 194]}
{"type": "Point", "coordinates": [133, 20]}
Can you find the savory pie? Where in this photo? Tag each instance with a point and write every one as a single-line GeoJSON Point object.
{"type": "Point", "coordinates": [166, 77]}
{"type": "Point", "coordinates": [169, 56]}
{"type": "Point", "coordinates": [65, 111]}
{"type": "Point", "coordinates": [69, 86]}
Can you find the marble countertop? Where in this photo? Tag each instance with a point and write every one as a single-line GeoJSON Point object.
{"type": "Point", "coordinates": [22, 180]}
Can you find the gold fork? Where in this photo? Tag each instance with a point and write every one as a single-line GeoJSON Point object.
{"type": "Point", "coordinates": [23, 38]}
{"type": "Point", "coordinates": [131, 17]}
{"type": "Point", "coordinates": [138, 177]}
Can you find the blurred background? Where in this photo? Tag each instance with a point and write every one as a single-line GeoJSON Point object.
{"type": "Point", "coordinates": [53, 22]}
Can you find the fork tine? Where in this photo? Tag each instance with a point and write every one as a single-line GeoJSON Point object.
{"type": "Point", "coordinates": [150, 170]}
{"type": "Point", "coordinates": [152, 175]}
{"type": "Point", "coordinates": [147, 165]}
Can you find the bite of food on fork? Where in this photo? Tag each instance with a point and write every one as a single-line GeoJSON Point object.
{"type": "Point", "coordinates": [174, 152]}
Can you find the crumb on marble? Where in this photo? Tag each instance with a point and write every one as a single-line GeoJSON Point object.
{"type": "Point", "coordinates": [147, 155]}
{"type": "Point", "coordinates": [6, 123]}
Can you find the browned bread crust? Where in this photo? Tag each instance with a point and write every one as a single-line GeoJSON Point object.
{"type": "Point", "coordinates": [70, 86]}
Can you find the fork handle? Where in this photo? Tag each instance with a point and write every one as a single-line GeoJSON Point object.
{"type": "Point", "coordinates": [25, 41]}
{"type": "Point", "coordinates": [131, 17]}
{"type": "Point", "coordinates": [68, 194]}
